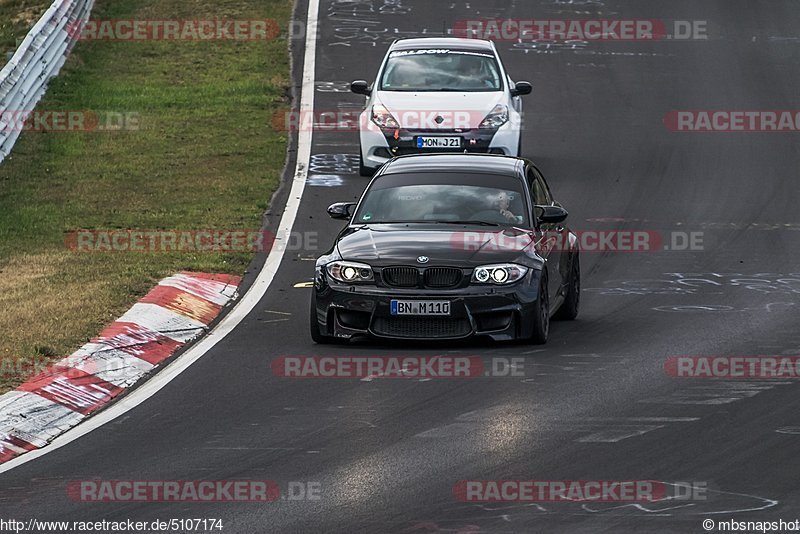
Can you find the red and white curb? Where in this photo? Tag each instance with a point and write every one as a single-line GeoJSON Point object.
{"type": "Point", "coordinates": [177, 311]}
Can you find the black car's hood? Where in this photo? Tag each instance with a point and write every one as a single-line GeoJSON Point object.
{"type": "Point", "coordinates": [402, 244]}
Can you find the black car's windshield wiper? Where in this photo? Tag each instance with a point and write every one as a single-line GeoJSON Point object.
{"type": "Point", "coordinates": [481, 223]}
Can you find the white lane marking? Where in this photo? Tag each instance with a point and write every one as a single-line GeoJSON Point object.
{"type": "Point", "coordinates": [250, 299]}
{"type": "Point", "coordinates": [614, 435]}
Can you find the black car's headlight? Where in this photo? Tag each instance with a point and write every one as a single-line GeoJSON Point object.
{"type": "Point", "coordinates": [496, 118]}
{"type": "Point", "coordinates": [503, 273]}
{"type": "Point", "coordinates": [349, 272]}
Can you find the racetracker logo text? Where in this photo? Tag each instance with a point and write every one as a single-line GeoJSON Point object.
{"type": "Point", "coordinates": [395, 367]}
{"type": "Point", "coordinates": [560, 30]}
{"type": "Point", "coordinates": [757, 367]}
{"type": "Point", "coordinates": [577, 491]}
{"type": "Point", "coordinates": [174, 30]}
{"type": "Point", "coordinates": [733, 121]}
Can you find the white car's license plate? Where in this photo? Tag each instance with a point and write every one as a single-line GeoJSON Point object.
{"type": "Point", "coordinates": [438, 142]}
{"type": "Point", "coordinates": [420, 307]}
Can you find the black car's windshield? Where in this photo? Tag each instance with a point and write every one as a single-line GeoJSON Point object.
{"type": "Point", "coordinates": [441, 70]}
{"type": "Point", "coordinates": [450, 198]}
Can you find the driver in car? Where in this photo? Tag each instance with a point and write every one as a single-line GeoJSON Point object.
{"type": "Point", "coordinates": [503, 202]}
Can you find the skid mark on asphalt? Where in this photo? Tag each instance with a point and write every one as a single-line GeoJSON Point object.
{"type": "Point", "coordinates": [705, 284]}
{"type": "Point", "coordinates": [613, 430]}
{"type": "Point", "coordinates": [324, 180]}
{"type": "Point", "coordinates": [527, 516]}
{"type": "Point", "coordinates": [715, 392]}
{"type": "Point", "coordinates": [590, 429]}
{"type": "Point", "coordinates": [334, 164]}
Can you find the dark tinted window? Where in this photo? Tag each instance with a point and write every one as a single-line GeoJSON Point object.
{"type": "Point", "coordinates": [446, 197]}
{"type": "Point", "coordinates": [541, 196]}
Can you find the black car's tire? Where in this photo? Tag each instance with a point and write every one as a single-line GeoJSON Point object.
{"type": "Point", "coordinates": [363, 170]}
{"type": "Point", "coordinates": [313, 325]}
{"type": "Point", "coordinates": [541, 317]}
{"type": "Point", "coordinates": [572, 299]}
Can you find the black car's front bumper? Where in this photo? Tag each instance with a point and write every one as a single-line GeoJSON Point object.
{"type": "Point", "coordinates": [502, 313]}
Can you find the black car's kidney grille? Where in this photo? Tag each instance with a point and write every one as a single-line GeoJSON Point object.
{"type": "Point", "coordinates": [421, 327]}
{"type": "Point", "coordinates": [442, 277]}
{"type": "Point", "coordinates": [401, 276]}
{"type": "Point", "coordinates": [433, 277]}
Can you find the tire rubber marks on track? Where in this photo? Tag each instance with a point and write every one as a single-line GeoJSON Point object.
{"type": "Point", "coordinates": [591, 429]}
{"type": "Point", "coordinates": [770, 307]}
{"type": "Point", "coordinates": [612, 430]}
{"type": "Point", "coordinates": [359, 22]}
{"type": "Point", "coordinates": [715, 392]}
{"type": "Point", "coordinates": [527, 516]}
{"type": "Point", "coordinates": [176, 311]}
{"type": "Point", "coordinates": [704, 283]}
{"type": "Point", "coordinates": [326, 170]}
{"type": "Point", "coordinates": [334, 163]}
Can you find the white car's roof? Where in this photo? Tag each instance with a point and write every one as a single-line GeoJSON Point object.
{"type": "Point", "coordinates": [442, 42]}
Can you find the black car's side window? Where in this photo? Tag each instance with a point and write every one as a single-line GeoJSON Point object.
{"type": "Point", "coordinates": [541, 197]}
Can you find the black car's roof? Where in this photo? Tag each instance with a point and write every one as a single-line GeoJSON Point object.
{"type": "Point", "coordinates": [442, 42]}
{"type": "Point", "coordinates": [478, 163]}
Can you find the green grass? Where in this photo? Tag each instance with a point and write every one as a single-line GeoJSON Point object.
{"type": "Point", "coordinates": [204, 156]}
{"type": "Point", "coordinates": [17, 17]}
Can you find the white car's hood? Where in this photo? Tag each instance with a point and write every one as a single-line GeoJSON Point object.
{"type": "Point", "coordinates": [418, 110]}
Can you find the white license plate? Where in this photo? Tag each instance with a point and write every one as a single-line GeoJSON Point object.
{"type": "Point", "coordinates": [438, 142]}
{"type": "Point", "coordinates": [420, 307]}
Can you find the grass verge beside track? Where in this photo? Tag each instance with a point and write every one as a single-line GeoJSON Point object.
{"type": "Point", "coordinates": [204, 156]}
{"type": "Point", "coordinates": [17, 17]}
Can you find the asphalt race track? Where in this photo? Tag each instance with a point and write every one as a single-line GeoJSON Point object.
{"type": "Point", "coordinates": [595, 403]}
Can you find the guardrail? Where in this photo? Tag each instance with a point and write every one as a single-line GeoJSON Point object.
{"type": "Point", "coordinates": [23, 81]}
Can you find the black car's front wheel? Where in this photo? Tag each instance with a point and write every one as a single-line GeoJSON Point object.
{"type": "Point", "coordinates": [541, 314]}
{"type": "Point", "coordinates": [316, 335]}
{"type": "Point", "coordinates": [572, 298]}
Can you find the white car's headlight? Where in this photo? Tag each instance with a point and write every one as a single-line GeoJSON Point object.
{"type": "Point", "coordinates": [348, 271]}
{"type": "Point", "coordinates": [496, 118]}
{"type": "Point", "coordinates": [504, 273]}
{"type": "Point", "coordinates": [382, 117]}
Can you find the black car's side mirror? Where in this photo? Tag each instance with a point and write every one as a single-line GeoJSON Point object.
{"type": "Point", "coordinates": [551, 214]}
{"type": "Point", "coordinates": [341, 210]}
{"type": "Point", "coordinates": [360, 87]}
{"type": "Point", "coordinates": [521, 88]}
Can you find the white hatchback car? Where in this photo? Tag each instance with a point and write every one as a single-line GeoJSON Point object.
{"type": "Point", "coordinates": [439, 95]}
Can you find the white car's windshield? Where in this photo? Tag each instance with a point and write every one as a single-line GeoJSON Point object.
{"type": "Point", "coordinates": [441, 70]}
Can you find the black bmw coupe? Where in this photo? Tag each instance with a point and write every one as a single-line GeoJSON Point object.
{"type": "Point", "coordinates": [448, 246]}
